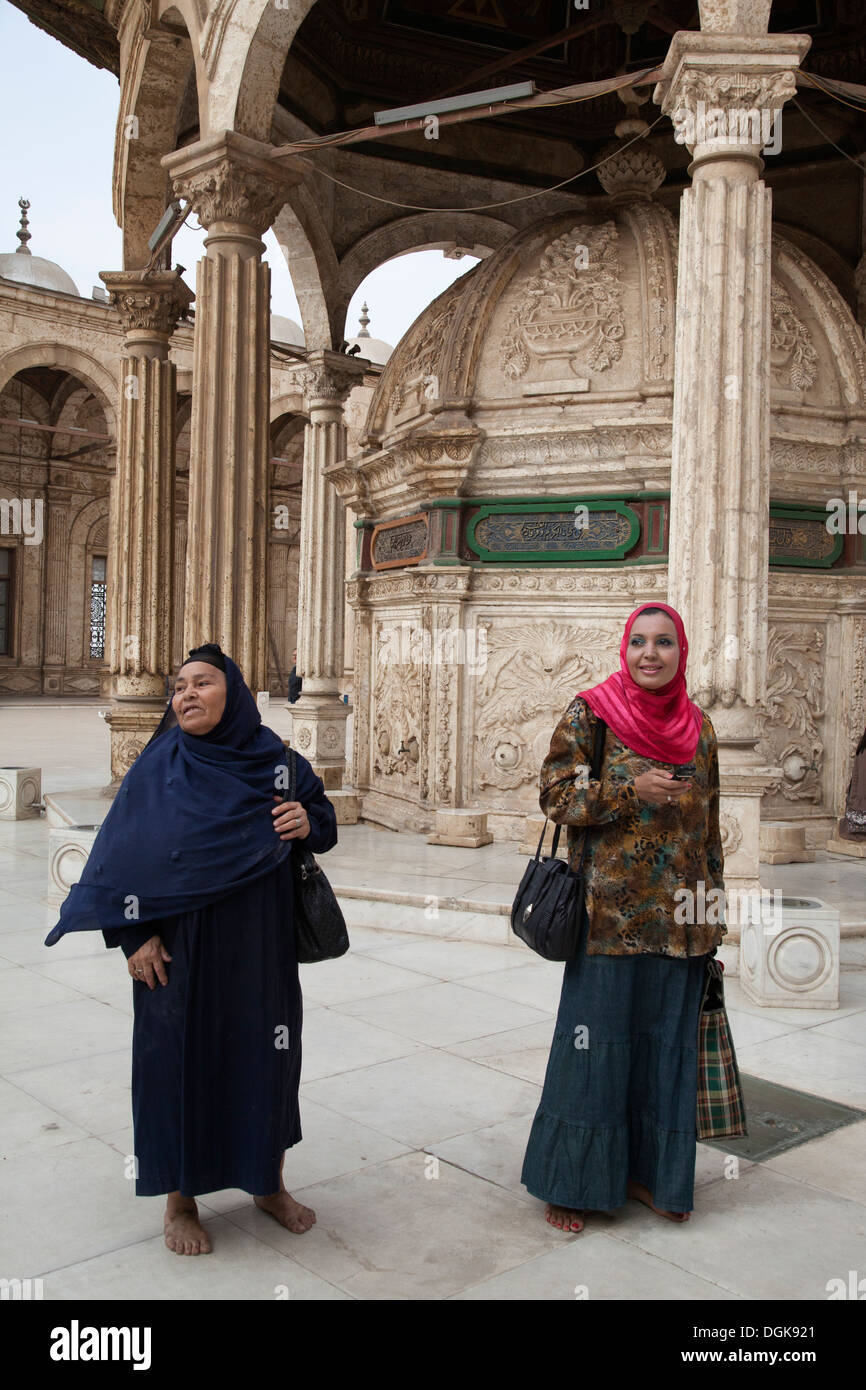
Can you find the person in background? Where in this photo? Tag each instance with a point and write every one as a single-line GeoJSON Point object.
{"type": "Point", "coordinates": [295, 681]}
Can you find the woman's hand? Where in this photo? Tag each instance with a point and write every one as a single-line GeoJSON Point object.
{"type": "Point", "coordinates": [147, 963]}
{"type": "Point", "coordinates": [659, 787]}
{"type": "Point", "coordinates": [291, 821]}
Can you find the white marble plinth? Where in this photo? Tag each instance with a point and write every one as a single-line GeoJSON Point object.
{"type": "Point", "coordinates": [791, 959]}
{"type": "Point", "coordinates": [784, 842]}
{"type": "Point", "coordinates": [20, 792]}
{"type": "Point", "coordinates": [853, 848]}
{"type": "Point", "coordinates": [532, 833]}
{"type": "Point", "coordinates": [466, 829]}
{"type": "Point", "coordinates": [346, 805]}
{"type": "Point", "coordinates": [68, 850]}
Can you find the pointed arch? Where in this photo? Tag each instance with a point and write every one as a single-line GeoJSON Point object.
{"type": "Point", "coordinates": [76, 361]}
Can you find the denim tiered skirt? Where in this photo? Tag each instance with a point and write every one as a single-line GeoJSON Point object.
{"type": "Point", "coordinates": [620, 1090]}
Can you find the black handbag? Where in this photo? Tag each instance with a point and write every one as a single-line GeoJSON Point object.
{"type": "Point", "coordinates": [548, 907]}
{"type": "Point", "coordinates": [320, 927]}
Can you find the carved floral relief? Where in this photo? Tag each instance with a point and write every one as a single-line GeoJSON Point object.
{"type": "Point", "coordinates": [794, 706]}
{"type": "Point", "coordinates": [571, 307]}
{"type": "Point", "coordinates": [532, 673]}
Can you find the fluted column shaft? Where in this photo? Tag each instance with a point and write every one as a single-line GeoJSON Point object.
{"type": "Point", "coordinates": [723, 93]}
{"type": "Point", "coordinates": [236, 191]}
{"type": "Point", "coordinates": [319, 716]}
{"type": "Point", "coordinates": [140, 586]}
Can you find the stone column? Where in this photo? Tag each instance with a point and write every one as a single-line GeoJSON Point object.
{"type": "Point", "coordinates": [141, 541]}
{"type": "Point", "coordinates": [236, 191]}
{"type": "Point", "coordinates": [319, 716]}
{"type": "Point", "coordinates": [723, 89]}
{"type": "Point", "coordinates": [56, 584]}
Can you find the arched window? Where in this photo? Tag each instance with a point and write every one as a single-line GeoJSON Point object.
{"type": "Point", "coordinates": [97, 606]}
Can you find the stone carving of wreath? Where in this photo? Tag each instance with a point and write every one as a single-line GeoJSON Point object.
{"type": "Point", "coordinates": [731, 833]}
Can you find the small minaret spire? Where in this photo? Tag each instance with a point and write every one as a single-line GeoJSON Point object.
{"type": "Point", "coordinates": [22, 234]}
{"type": "Point", "coordinates": [364, 331]}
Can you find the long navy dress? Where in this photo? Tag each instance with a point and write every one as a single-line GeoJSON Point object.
{"type": "Point", "coordinates": [216, 1053]}
{"type": "Point", "coordinates": [188, 852]}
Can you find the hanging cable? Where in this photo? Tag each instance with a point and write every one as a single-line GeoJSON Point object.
{"type": "Point", "coordinates": [826, 137]}
{"type": "Point", "coordinates": [502, 203]}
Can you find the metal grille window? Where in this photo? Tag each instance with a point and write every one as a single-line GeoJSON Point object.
{"type": "Point", "coordinates": [5, 601]}
{"type": "Point", "coordinates": [97, 607]}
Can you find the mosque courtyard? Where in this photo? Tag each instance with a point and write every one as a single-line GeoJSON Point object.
{"type": "Point", "coordinates": [424, 1053]}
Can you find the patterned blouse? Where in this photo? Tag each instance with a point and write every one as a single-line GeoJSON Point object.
{"type": "Point", "coordinates": [638, 854]}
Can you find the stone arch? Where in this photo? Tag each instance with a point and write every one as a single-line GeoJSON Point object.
{"type": "Point", "coordinates": [155, 77]}
{"type": "Point", "coordinates": [313, 267]}
{"type": "Point", "coordinates": [78, 363]}
{"type": "Point", "coordinates": [17, 397]}
{"type": "Point", "coordinates": [245, 45]}
{"type": "Point", "coordinates": [422, 231]}
{"type": "Point", "coordinates": [833, 315]}
{"type": "Point", "coordinates": [290, 403]}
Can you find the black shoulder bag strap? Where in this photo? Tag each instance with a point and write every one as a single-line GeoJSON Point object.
{"type": "Point", "coordinates": [595, 769]}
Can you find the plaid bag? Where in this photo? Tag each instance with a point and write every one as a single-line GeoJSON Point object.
{"type": "Point", "coordinates": [721, 1112]}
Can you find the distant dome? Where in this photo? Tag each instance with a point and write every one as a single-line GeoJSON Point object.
{"type": "Point", "coordinates": [285, 330]}
{"type": "Point", "coordinates": [35, 271]}
{"type": "Point", "coordinates": [26, 269]}
{"type": "Point", "coordinates": [374, 349]}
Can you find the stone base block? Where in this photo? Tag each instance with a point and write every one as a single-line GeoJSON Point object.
{"type": "Point", "coordinates": [853, 848]}
{"type": "Point", "coordinates": [467, 829]}
{"type": "Point", "coordinates": [346, 805]}
{"type": "Point", "coordinates": [68, 850]}
{"type": "Point", "coordinates": [784, 842]}
{"type": "Point", "coordinates": [20, 792]}
{"type": "Point", "coordinates": [131, 727]}
{"type": "Point", "coordinates": [532, 833]}
{"type": "Point", "coordinates": [792, 963]}
{"type": "Point", "coordinates": [331, 775]}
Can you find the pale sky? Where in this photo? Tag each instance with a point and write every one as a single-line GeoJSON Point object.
{"type": "Point", "coordinates": [57, 120]}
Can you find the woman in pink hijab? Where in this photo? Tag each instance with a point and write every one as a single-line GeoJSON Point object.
{"type": "Point", "coordinates": [617, 1116]}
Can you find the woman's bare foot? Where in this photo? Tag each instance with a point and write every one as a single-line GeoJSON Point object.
{"type": "Point", "coordinates": [184, 1233]}
{"type": "Point", "coordinates": [564, 1218]}
{"type": "Point", "coordinates": [643, 1194]}
{"type": "Point", "coordinates": [291, 1214]}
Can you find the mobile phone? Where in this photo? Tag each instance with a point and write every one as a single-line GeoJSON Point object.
{"type": "Point", "coordinates": [684, 772]}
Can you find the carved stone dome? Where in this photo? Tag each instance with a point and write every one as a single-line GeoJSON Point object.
{"type": "Point", "coordinates": [549, 367]}
{"type": "Point", "coordinates": [580, 303]}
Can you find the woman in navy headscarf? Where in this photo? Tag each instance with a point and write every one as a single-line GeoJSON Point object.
{"type": "Point", "coordinates": [191, 876]}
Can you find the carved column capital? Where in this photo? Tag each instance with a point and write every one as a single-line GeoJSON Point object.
{"type": "Point", "coordinates": [150, 306]}
{"type": "Point", "coordinates": [724, 92]}
{"type": "Point", "coordinates": [230, 178]}
{"type": "Point", "coordinates": [328, 378]}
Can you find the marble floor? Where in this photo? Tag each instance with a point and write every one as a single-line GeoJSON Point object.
{"type": "Point", "coordinates": [423, 1061]}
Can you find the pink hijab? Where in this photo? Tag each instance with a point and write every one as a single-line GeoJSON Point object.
{"type": "Point", "coordinates": [663, 724]}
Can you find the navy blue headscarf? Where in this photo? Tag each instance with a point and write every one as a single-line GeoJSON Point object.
{"type": "Point", "coordinates": [191, 822]}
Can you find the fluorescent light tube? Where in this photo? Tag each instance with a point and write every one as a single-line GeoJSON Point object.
{"type": "Point", "coordinates": [461, 103]}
